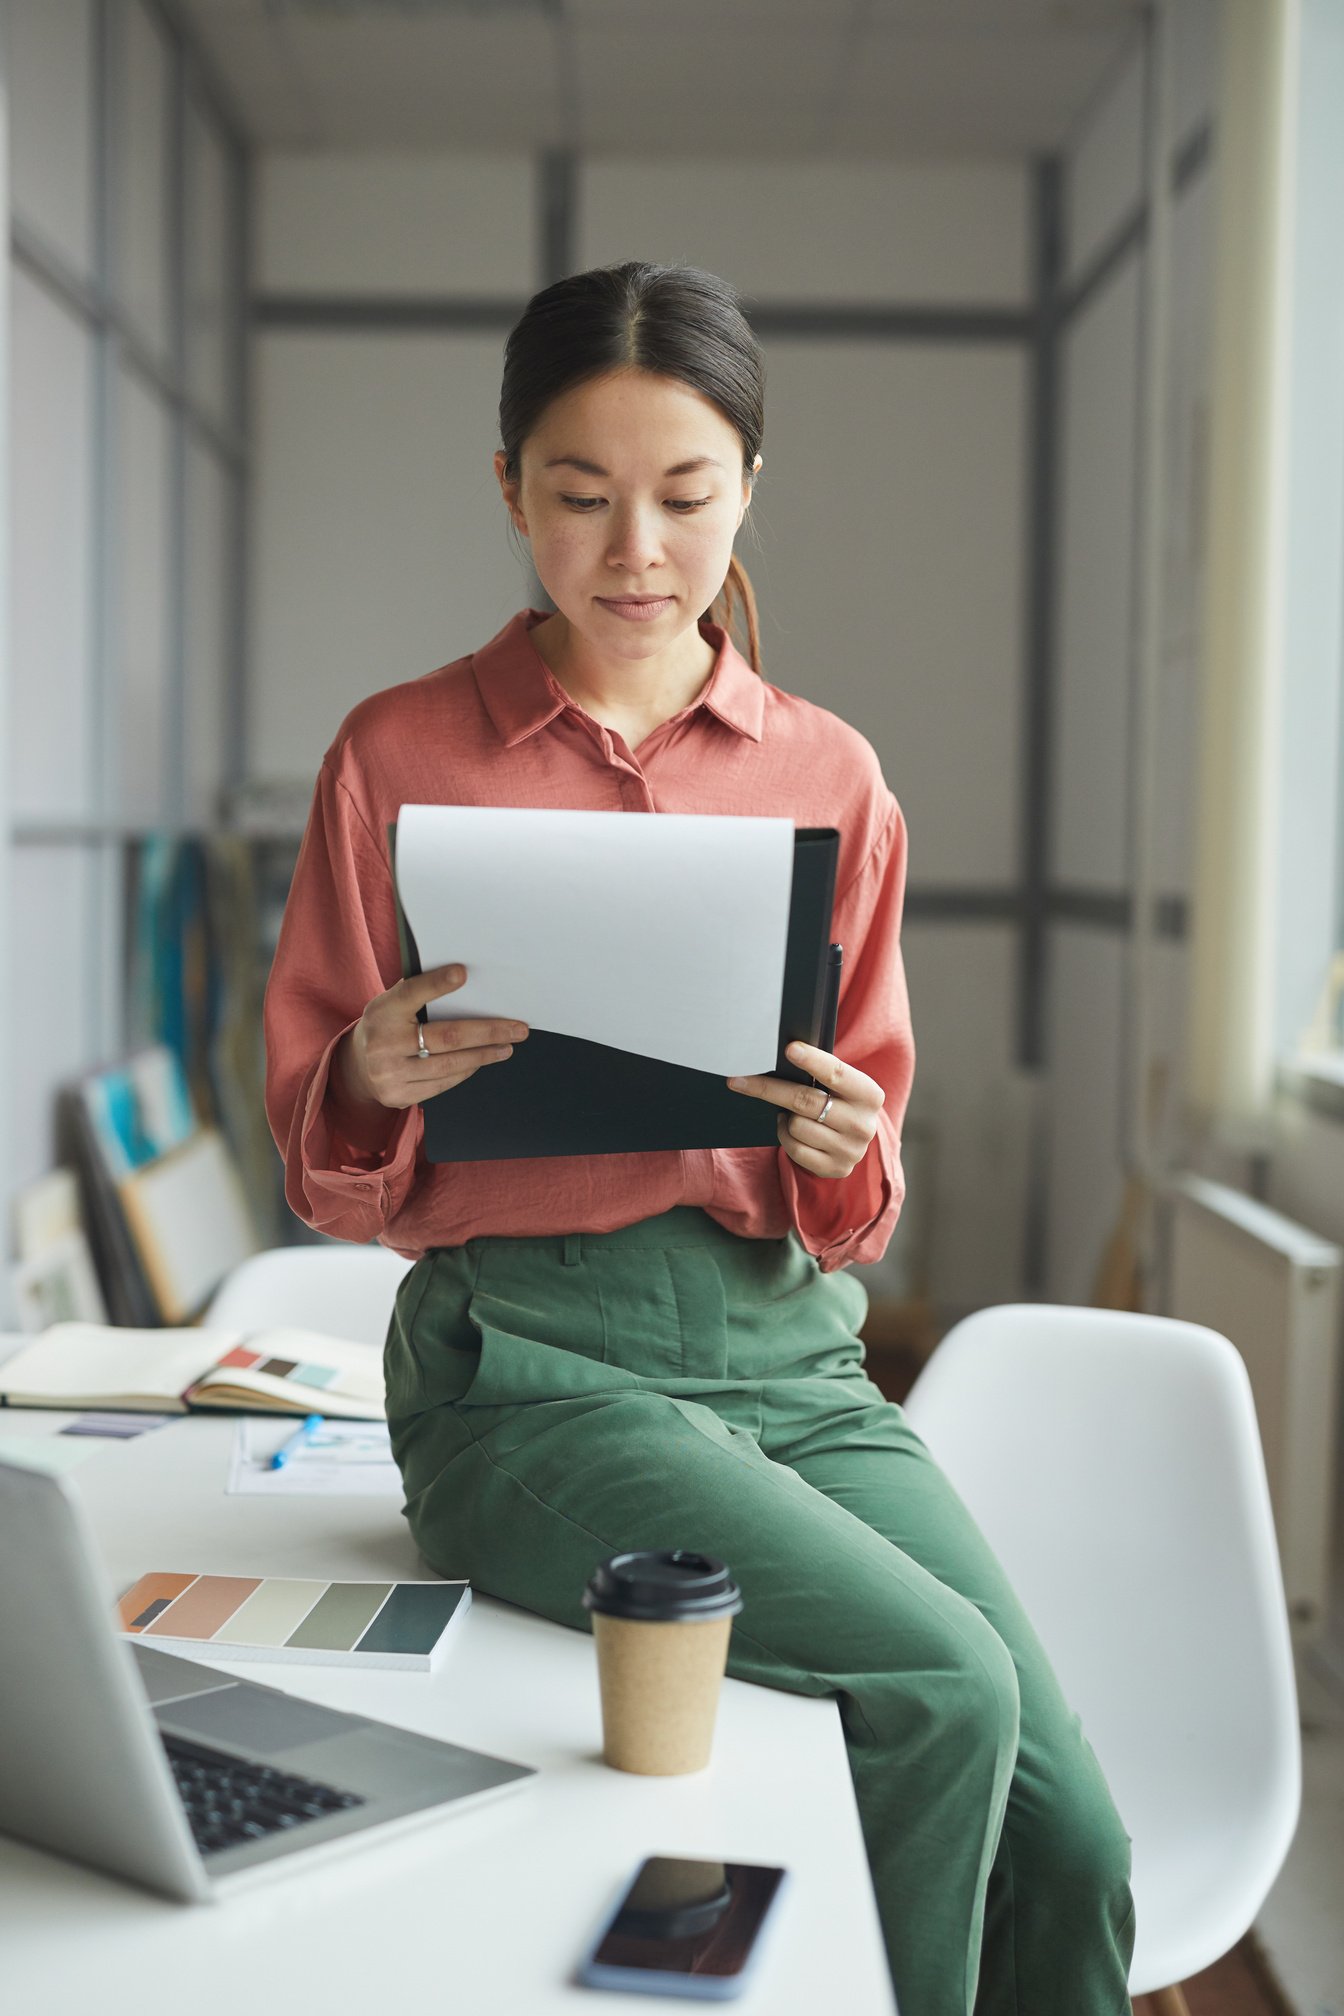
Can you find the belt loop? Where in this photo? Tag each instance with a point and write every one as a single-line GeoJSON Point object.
{"type": "Point", "coordinates": [573, 1249]}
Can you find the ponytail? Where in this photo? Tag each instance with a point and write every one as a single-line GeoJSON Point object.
{"type": "Point", "coordinates": [737, 597]}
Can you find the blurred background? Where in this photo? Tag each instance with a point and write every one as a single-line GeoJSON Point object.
{"type": "Point", "coordinates": [1052, 510]}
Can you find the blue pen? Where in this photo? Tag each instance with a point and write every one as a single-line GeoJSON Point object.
{"type": "Point", "coordinates": [296, 1441]}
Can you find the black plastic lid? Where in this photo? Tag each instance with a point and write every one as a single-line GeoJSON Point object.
{"type": "Point", "coordinates": [662, 1587]}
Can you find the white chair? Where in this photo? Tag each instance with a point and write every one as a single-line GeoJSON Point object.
{"type": "Point", "coordinates": [1113, 1462]}
{"type": "Point", "coordinates": [344, 1291]}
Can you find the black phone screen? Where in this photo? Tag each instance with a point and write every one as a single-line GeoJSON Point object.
{"type": "Point", "coordinates": [686, 1917]}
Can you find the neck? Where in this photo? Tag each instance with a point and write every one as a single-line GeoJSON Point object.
{"type": "Point", "coordinates": [603, 684]}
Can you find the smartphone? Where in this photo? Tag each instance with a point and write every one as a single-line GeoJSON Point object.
{"type": "Point", "coordinates": [685, 1927]}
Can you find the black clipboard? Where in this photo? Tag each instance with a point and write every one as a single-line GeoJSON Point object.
{"type": "Point", "coordinates": [563, 1095]}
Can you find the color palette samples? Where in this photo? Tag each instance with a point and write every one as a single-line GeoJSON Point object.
{"type": "Point", "coordinates": [240, 1359]}
{"type": "Point", "coordinates": [394, 1624]}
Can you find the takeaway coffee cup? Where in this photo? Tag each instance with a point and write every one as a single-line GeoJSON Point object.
{"type": "Point", "coordinates": [661, 1623]}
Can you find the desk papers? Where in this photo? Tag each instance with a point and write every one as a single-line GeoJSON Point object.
{"type": "Point", "coordinates": [341, 1459]}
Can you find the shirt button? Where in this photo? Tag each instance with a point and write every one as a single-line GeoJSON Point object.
{"type": "Point", "coordinates": [363, 1186]}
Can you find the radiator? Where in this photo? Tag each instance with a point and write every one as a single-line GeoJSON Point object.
{"type": "Point", "coordinates": [1273, 1288]}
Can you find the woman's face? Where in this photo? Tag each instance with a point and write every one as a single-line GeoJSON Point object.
{"type": "Point", "coordinates": [634, 523]}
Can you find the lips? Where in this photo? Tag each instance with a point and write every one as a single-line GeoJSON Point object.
{"type": "Point", "coordinates": [634, 610]}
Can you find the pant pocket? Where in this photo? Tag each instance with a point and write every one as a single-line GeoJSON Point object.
{"type": "Point", "coordinates": [430, 1353]}
{"type": "Point", "coordinates": [537, 1329]}
{"type": "Point", "coordinates": [511, 1368]}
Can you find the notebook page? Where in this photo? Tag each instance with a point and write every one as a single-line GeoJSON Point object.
{"type": "Point", "coordinates": [90, 1361]}
{"type": "Point", "coordinates": [302, 1366]}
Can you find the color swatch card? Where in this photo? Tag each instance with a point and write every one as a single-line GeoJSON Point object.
{"type": "Point", "coordinates": [402, 1625]}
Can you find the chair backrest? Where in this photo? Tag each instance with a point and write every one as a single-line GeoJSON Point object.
{"type": "Point", "coordinates": [1113, 1462]}
{"type": "Point", "coordinates": [345, 1291]}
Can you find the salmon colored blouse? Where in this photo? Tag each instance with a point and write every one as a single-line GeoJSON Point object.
{"type": "Point", "coordinates": [497, 728]}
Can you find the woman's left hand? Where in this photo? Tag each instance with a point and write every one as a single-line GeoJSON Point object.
{"type": "Point", "coordinates": [839, 1144]}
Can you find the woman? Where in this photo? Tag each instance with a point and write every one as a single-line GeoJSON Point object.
{"type": "Point", "coordinates": [661, 1350]}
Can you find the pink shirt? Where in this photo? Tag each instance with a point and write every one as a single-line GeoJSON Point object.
{"type": "Point", "coordinates": [497, 728]}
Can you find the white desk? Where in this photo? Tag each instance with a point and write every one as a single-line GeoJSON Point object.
{"type": "Point", "coordinates": [478, 1912]}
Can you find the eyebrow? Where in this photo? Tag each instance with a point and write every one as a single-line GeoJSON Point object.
{"type": "Point", "coordinates": [595, 469]}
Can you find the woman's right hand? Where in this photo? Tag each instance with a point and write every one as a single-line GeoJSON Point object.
{"type": "Point", "coordinates": [379, 1060]}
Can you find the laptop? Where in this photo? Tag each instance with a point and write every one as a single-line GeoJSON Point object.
{"type": "Point", "coordinates": [165, 1771]}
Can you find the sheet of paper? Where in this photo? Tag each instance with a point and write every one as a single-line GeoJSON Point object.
{"type": "Point", "coordinates": [340, 1459]}
{"type": "Point", "coordinates": [660, 934]}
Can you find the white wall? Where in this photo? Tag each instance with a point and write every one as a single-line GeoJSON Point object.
{"type": "Point", "coordinates": [123, 339]}
{"type": "Point", "coordinates": [1091, 827]}
{"type": "Point", "coordinates": [886, 542]}
{"type": "Point", "coordinates": [1306, 1168]}
{"type": "Point", "coordinates": [1091, 1005]}
{"type": "Point", "coordinates": [6, 591]}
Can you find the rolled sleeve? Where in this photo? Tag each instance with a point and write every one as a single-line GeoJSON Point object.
{"type": "Point", "coordinates": [852, 1218]}
{"type": "Point", "coordinates": [336, 950]}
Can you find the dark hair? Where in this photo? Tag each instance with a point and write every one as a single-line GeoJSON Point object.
{"type": "Point", "coordinates": [678, 321]}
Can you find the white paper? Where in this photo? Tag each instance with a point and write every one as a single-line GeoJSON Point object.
{"type": "Point", "coordinates": [662, 934]}
{"type": "Point", "coordinates": [340, 1459]}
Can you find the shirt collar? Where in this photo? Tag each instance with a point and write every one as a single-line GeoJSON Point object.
{"type": "Point", "coordinates": [520, 693]}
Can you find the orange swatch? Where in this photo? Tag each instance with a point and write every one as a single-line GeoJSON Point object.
{"type": "Point", "coordinates": [210, 1602]}
{"type": "Point", "coordinates": [151, 1593]}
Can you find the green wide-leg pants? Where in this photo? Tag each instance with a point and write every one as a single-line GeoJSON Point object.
{"type": "Point", "coordinates": [555, 1400]}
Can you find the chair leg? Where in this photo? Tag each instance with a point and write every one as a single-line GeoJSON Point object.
{"type": "Point", "coordinates": [1169, 2002]}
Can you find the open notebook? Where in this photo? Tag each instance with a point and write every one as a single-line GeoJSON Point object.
{"type": "Point", "coordinates": [276, 1371]}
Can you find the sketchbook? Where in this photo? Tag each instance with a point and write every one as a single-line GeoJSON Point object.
{"type": "Point", "coordinates": [276, 1371]}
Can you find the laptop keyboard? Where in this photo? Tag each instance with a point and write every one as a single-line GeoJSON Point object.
{"type": "Point", "coordinates": [229, 1800]}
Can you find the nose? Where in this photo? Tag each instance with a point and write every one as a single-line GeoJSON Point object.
{"type": "Point", "coordinates": [634, 540]}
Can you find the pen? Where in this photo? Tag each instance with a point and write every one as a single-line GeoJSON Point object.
{"type": "Point", "coordinates": [296, 1441]}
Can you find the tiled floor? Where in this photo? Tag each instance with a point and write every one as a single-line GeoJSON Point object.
{"type": "Point", "coordinates": [1301, 1923]}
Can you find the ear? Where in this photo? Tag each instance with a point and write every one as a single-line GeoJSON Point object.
{"type": "Point", "coordinates": [509, 487]}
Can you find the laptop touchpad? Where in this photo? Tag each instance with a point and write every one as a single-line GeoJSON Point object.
{"type": "Point", "coordinates": [255, 1719]}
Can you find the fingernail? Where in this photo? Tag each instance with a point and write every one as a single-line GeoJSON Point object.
{"type": "Point", "coordinates": [737, 1083]}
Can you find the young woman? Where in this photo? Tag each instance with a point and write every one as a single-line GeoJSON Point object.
{"type": "Point", "coordinates": [661, 1350]}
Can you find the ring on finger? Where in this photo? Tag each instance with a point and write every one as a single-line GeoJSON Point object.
{"type": "Point", "coordinates": [821, 1117]}
{"type": "Point", "coordinates": [420, 1039]}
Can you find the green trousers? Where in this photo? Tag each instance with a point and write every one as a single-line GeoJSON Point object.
{"type": "Point", "coordinates": [555, 1400]}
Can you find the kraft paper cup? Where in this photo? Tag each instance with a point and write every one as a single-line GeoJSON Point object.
{"type": "Point", "coordinates": [661, 1623]}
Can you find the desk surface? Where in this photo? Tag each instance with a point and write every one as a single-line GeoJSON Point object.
{"type": "Point", "coordinates": [478, 1912]}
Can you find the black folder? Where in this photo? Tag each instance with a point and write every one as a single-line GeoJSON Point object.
{"type": "Point", "coordinates": [563, 1095]}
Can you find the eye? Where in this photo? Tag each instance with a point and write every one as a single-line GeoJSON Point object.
{"type": "Point", "coordinates": [683, 506]}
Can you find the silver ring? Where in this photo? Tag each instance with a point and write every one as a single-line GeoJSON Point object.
{"type": "Point", "coordinates": [420, 1038]}
{"type": "Point", "coordinates": [821, 1117]}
